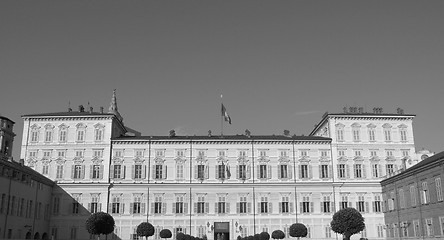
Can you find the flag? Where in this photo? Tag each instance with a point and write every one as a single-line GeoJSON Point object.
{"type": "Point", "coordinates": [227, 117]}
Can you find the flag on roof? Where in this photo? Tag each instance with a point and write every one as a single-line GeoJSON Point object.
{"type": "Point", "coordinates": [227, 117]}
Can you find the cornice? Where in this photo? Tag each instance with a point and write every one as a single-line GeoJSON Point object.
{"type": "Point", "coordinates": [218, 142]}
{"type": "Point", "coordinates": [67, 118]}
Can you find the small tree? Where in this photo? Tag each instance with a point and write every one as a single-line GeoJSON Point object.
{"type": "Point", "coordinates": [298, 230]}
{"type": "Point", "coordinates": [347, 221]}
{"type": "Point", "coordinates": [239, 237]}
{"type": "Point", "coordinates": [165, 233]}
{"type": "Point", "coordinates": [264, 236]}
{"type": "Point", "coordinates": [100, 223]}
{"type": "Point", "coordinates": [277, 234]}
{"type": "Point", "coordinates": [180, 236]}
{"type": "Point", "coordinates": [145, 229]}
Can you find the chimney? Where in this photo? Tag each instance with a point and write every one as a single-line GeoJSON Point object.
{"type": "Point", "coordinates": [69, 109]}
{"type": "Point", "coordinates": [90, 109]}
{"type": "Point", "coordinates": [22, 161]}
{"type": "Point", "coordinates": [361, 110]}
{"type": "Point", "coordinates": [400, 111]}
{"type": "Point", "coordinates": [101, 109]}
{"type": "Point", "coordinates": [345, 109]}
{"type": "Point", "coordinates": [247, 133]}
{"type": "Point", "coordinates": [287, 133]}
{"type": "Point", "coordinates": [81, 108]}
{"type": "Point", "coordinates": [209, 133]}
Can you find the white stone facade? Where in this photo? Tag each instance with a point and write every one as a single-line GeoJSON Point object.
{"type": "Point", "coordinates": [191, 184]}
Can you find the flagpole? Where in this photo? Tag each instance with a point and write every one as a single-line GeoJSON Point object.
{"type": "Point", "coordinates": [221, 118]}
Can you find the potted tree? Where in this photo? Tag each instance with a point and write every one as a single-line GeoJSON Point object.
{"type": "Point", "coordinates": [100, 223]}
{"type": "Point", "coordinates": [347, 221]}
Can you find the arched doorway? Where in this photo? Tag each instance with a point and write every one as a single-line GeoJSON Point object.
{"type": "Point", "coordinates": [28, 235]}
{"type": "Point", "coordinates": [37, 235]}
{"type": "Point", "coordinates": [44, 236]}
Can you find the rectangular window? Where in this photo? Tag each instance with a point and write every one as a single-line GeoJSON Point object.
{"type": "Point", "coordinates": [429, 227]}
{"type": "Point", "coordinates": [56, 205]}
{"type": "Point", "coordinates": [263, 205]}
{"type": "Point", "coordinates": [160, 153]}
{"type": "Point", "coordinates": [77, 171]}
{"type": "Point", "coordinates": [136, 208]}
{"type": "Point", "coordinates": [179, 171]}
{"type": "Point", "coordinates": [375, 170]}
{"type": "Point", "coordinates": [75, 207]}
{"type": "Point", "coordinates": [360, 206]}
{"type": "Point", "coordinates": [201, 171]}
{"type": "Point", "coordinates": [98, 134]}
{"type": "Point", "coordinates": [403, 134]}
{"type": "Point", "coordinates": [94, 204]}
{"type": "Point", "coordinates": [62, 135]}
{"type": "Point", "coordinates": [304, 171]}
{"type": "Point", "coordinates": [242, 154]}
{"type": "Point", "coordinates": [158, 205]}
{"type": "Point", "coordinates": [425, 197]}
{"type": "Point", "coordinates": [48, 136]}
{"type": "Point", "coordinates": [416, 229]}
{"type": "Point", "coordinates": [377, 204]}
{"type": "Point", "coordinates": [46, 154]}
{"type": "Point", "coordinates": [158, 171]}
{"type": "Point", "coordinates": [285, 205]}
{"type": "Point", "coordinates": [305, 208]}
{"type": "Point", "coordinates": [387, 135]}
{"type": "Point", "coordinates": [115, 206]}
{"type": "Point", "coordinates": [304, 153]}
{"type": "Point", "coordinates": [73, 234]}
{"type": "Point", "coordinates": [341, 153]}
{"type": "Point", "coordinates": [138, 171]}
{"type": "Point", "coordinates": [34, 136]}
{"type": "Point", "coordinates": [358, 171]}
{"type": "Point", "coordinates": [242, 171]}
{"type": "Point", "coordinates": [380, 230]}
{"type": "Point", "coordinates": [413, 192]}
{"type": "Point", "coordinates": [117, 171]}
{"type": "Point", "coordinates": [243, 204]}
{"type": "Point", "coordinates": [325, 205]}
{"type": "Point", "coordinates": [180, 153]}
{"type": "Point", "coordinates": [324, 171]}
{"type": "Point", "coordinates": [342, 171]}
{"type": "Point", "coordinates": [179, 204]}
{"type": "Point", "coordinates": [221, 168]}
{"type": "Point", "coordinates": [61, 153]}
{"type": "Point", "coordinates": [390, 169]}
{"type": "Point", "coordinates": [45, 169]}
{"type": "Point", "coordinates": [344, 202]}
{"type": "Point", "coordinates": [371, 135]}
{"type": "Point", "coordinates": [97, 153]}
{"type": "Point", "coordinates": [221, 204]}
{"type": "Point", "coordinates": [283, 168]}
{"type": "Point", "coordinates": [95, 172]}
{"type": "Point", "coordinates": [80, 135]}
{"type": "Point", "coordinates": [438, 189]}
{"type": "Point", "coordinates": [59, 173]}
{"type": "Point", "coordinates": [340, 135]}
{"type": "Point", "coordinates": [356, 136]}
{"type": "Point", "coordinates": [200, 206]}
{"type": "Point", "coordinates": [262, 171]}
{"type": "Point", "coordinates": [263, 153]}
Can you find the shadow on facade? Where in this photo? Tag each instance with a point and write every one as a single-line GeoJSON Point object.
{"type": "Point", "coordinates": [68, 218]}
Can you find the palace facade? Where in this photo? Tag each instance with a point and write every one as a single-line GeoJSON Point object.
{"type": "Point", "coordinates": [218, 186]}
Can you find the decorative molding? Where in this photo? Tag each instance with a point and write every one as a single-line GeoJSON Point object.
{"type": "Point", "coordinates": [387, 125]}
{"type": "Point", "coordinates": [342, 159]}
{"type": "Point", "coordinates": [117, 160]}
{"type": "Point", "coordinates": [96, 161]}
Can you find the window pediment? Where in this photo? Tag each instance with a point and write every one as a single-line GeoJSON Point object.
{"type": "Point", "coordinates": [79, 160]}
{"type": "Point", "coordinates": [49, 126]}
{"type": "Point", "coordinates": [99, 125]}
{"type": "Point", "coordinates": [139, 160]}
{"type": "Point", "coordinates": [339, 125]}
{"type": "Point", "coordinates": [387, 125]}
{"type": "Point", "coordinates": [304, 159]}
{"type": "Point", "coordinates": [81, 125]}
{"type": "Point", "coordinates": [96, 161]}
{"type": "Point", "coordinates": [263, 160]}
{"type": "Point", "coordinates": [374, 159]}
{"type": "Point", "coordinates": [284, 160]}
{"type": "Point", "coordinates": [159, 161]}
{"type": "Point", "coordinates": [324, 159]}
{"type": "Point", "coordinates": [402, 126]}
{"type": "Point", "coordinates": [358, 158]}
{"type": "Point", "coordinates": [35, 127]}
{"type": "Point", "coordinates": [117, 161]}
{"type": "Point", "coordinates": [60, 161]}
{"type": "Point", "coordinates": [63, 126]}
{"type": "Point", "coordinates": [390, 158]}
{"type": "Point", "coordinates": [342, 159]}
{"type": "Point", "coordinates": [356, 125]}
{"type": "Point", "coordinates": [371, 125]}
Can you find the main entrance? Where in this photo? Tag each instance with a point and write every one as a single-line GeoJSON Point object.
{"type": "Point", "coordinates": [221, 231]}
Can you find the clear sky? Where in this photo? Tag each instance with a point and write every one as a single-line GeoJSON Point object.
{"type": "Point", "coordinates": [279, 64]}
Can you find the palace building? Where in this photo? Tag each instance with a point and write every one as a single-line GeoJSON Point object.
{"type": "Point", "coordinates": [218, 186]}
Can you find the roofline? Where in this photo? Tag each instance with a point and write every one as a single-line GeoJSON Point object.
{"type": "Point", "coordinates": [357, 115]}
{"type": "Point", "coordinates": [5, 118]}
{"type": "Point", "coordinates": [225, 138]}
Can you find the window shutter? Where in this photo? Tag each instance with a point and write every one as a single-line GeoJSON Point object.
{"type": "Point", "coordinates": [83, 172]}
{"type": "Point", "coordinates": [152, 208]}
{"type": "Point", "coordinates": [301, 207]}
{"type": "Point", "coordinates": [279, 172]}
{"type": "Point", "coordinates": [258, 208]}
{"type": "Point", "coordinates": [248, 171]}
{"type": "Point", "coordinates": [165, 171]}
{"type": "Point", "coordinates": [320, 171]}
{"type": "Point", "coordinates": [174, 207]}
{"type": "Point", "coordinates": [228, 171]}
{"type": "Point", "coordinates": [131, 208]}
{"type": "Point", "coordinates": [280, 207]}
{"type": "Point", "coordinates": [330, 171]}
{"type": "Point", "coordinates": [380, 170]}
{"type": "Point", "coordinates": [367, 207]}
{"type": "Point", "coordinates": [269, 171]}
{"type": "Point", "coordinates": [164, 208]}
{"type": "Point", "coordinates": [337, 169]}
{"type": "Point", "coordinates": [310, 171]}
{"type": "Point", "coordinates": [144, 172]}
{"type": "Point", "coordinates": [347, 171]}
{"type": "Point", "coordinates": [322, 207]}
{"type": "Point", "coordinates": [300, 172]}
{"type": "Point", "coordinates": [124, 172]}
{"type": "Point", "coordinates": [258, 172]}
{"type": "Point", "coordinates": [237, 207]}
{"type": "Point", "coordinates": [311, 207]}
{"type": "Point", "coordinates": [91, 167]}
{"type": "Point", "coordinates": [395, 167]}
{"type": "Point", "coordinates": [73, 168]}
{"type": "Point", "coordinates": [133, 172]}
{"type": "Point", "coordinates": [237, 172]}
{"type": "Point", "coordinates": [291, 207]}
{"type": "Point", "coordinates": [290, 172]}
{"type": "Point", "coordinates": [249, 207]}
{"type": "Point", "coordinates": [374, 206]}
{"type": "Point", "coordinates": [195, 207]}
{"type": "Point", "coordinates": [185, 207]}
{"type": "Point", "coordinates": [142, 208]}
{"type": "Point", "coordinates": [153, 173]}
{"type": "Point", "coordinates": [270, 207]}
{"type": "Point", "coordinates": [195, 172]}
{"type": "Point", "coordinates": [122, 208]}
{"type": "Point", "coordinates": [207, 172]}
{"type": "Point", "coordinates": [227, 209]}
{"type": "Point", "coordinates": [217, 172]}
{"type": "Point", "coordinates": [216, 208]}
{"type": "Point", "coordinates": [110, 208]}
{"type": "Point", "coordinates": [207, 207]}
{"type": "Point", "coordinates": [364, 171]}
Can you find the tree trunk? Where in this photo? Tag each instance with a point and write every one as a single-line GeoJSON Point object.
{"type": "Point", "coordinates": [347, 236]}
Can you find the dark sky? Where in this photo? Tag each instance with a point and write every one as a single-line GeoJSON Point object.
{"type": "Point", "coordinates": [279, 64]}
